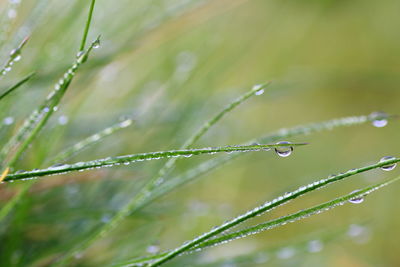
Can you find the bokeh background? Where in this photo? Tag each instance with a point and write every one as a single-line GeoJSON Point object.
{"type": "Point", "coordinates": [171, 65]}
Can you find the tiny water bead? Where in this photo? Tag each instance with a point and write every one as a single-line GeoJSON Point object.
{"type": "Point", "coordinates": [315, 246]}
{"type": "Point", "coordinates": [390, 166]}
{"type": "Point", "coordinates": [8, 121]}
{"type": "Point", "coordinates": [379, 119]}
{"type": "Point", "coordinates": [258, 90]}
{"type": "Point", "coordinates": [357, 200]}
{"type": "Point", "coordinates": [284, 151]}
{"type": "Point", "coordinates": [96, 44]}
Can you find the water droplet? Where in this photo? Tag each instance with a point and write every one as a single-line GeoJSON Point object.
{"type": "Point", "coordinates": [96, 44]}
{"type": "Point", "coordinates": [153, 249]}
{"type": "Point", "coordinates": [12, 13]}
{"type": "Point", "coordinates": [62, 120]}
{"type": "Point", "coordinates": [17, 58]}
{"type": "Point", "coordinates": [286, 253]}
{"type": "Point", "coordinates": [79, 54]}
{"type": "Point", "coordinates": [356, 200]}
{"type": "Point", "coordinates": [315, 246]}
{"type": "Point", "coordinates": [379, 119]}
{"type": "Point", "coordinates": [390, 166]}
{"type": "Point", "coordinates": [8, 120]}
{"type": "Point", "coordinates": [283, 151]}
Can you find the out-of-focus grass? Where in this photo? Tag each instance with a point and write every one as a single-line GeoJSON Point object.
{"type": "Point", "coordinates": [171, 65]}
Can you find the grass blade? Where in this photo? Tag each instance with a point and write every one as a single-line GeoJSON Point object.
{"type": "Point", "coordinates": [63, 156]}
{"type": "Point", "coordinates": [15, 55]}
{"type": "Point", "coordinates": [95, 138]}
{"type": "Point", "coordinates": [127, 159]}
{"type": "Point", "coordinates": [273, 204]}
{"type": "Point", "coordinates": [357, 194]}
{"type": "Point", "coordinates": [36, 121]}
{"type": "Point", "coordinates": [86, 30]}
{"type": "Point", "coordinates": [16, 86]}
{"type": "Point", "coordinates": [274, 223]}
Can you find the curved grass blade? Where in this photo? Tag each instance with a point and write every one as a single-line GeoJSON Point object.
{"type": "Point", "coordinates": [36, 121]}
{"type": "Point", "coordinates": [16, 86]}
{"type": "Point", "coordinates": [15, 55]}
{"type": "Point", "coordinates": [86, 30]}
{"type": "Point", "coordinates": [275, 223]}
{"type": "Point", "coordinates": [273, 204]}
{"type": "Point", "coordinates": [127, 159]}
{"type": "Point", "coordinates": [357, 194]}
{"type": "Point", "coordinates": [302, 242]}
{"type": "Point", "coordinates": [63, 156]}
{"type": "Point", "coordinates": [95, 138]}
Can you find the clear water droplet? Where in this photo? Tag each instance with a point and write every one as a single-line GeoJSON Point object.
{"type": "Point", "coordinates": [96, 44]}
{"type": "Point", "coordinates": [259, 92]}
{"type": "Point", "coordinates": [79, 54]}
{"type": "Point", "coordinates": [390, 166]}
{"type": "Point", "coordinates": [8, 120]}
{"type": "Point", "coordinates": [379, 119]}
{"type": "Point", "coordinates": [153, 249]}
{"type": "Point", "coordinates": [356, 200]}
{"type": "Point", "coordinates": [17, 57]}
{"type": "Point", "coordinates": [284, 151]}
{"type": "Point", "coordinates": [315, 246]}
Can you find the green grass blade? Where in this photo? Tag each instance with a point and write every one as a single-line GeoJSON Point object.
{"type": "Point", "coordinates": [63, 156]}
{"type": "Point", "coordinates": [275, 203]}
{"type": "Point", "coordinates": [36, 121]}
{"type": "Point", "coordinates": [89, 141]}
{"type": "Point", "coordinates": [273, 223]}
{"type": "Point", "coordinates": [127, 159]}
{"type": "Point", "coordinates": [357, 194]}
{"type": "Point", "coordinates": [16, 86]}
{"type": "Point", "coordinates": [86, 30]}
{"type": "Point", "coordinates": [15, 55]}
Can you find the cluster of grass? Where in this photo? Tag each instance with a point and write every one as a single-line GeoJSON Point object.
{"type": "Point", "coordinates": [29, 155]}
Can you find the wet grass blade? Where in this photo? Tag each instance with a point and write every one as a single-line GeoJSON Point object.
{"type": "Point", "coordinates": [127, 159]}
{"type": "Point", "coordinates": [357, 194]}
{"type": "Point", "coordinates": [15, 86]}
{"type": "Point", "coordinates": [275, 203]}
{"type": "Point", "coordinates": [12, 151]}
{"type": "Point", "coordinates": [15, 55]}
{"type": "Point", "coordinates": [62, 157]}
{"type": "Point", "coordinates": [89, 141]}
{"type": "Point", "coordinates": [270, 224]}
{"type": "Point", "coordinates": [86, 30]}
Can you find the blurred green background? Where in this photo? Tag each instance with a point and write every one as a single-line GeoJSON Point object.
{"type": "Point", "coordinates": [171, 65]}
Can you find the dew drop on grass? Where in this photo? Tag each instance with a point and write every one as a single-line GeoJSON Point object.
{"type": "Point", "coordinates": [315, 246]}
{"type": "Point", "coordinates": [8, 120]}
{"type": "Point", "coordinates": [79, 54]}
{"type": "Point", "coordinates": [390, 166]}
{"type": "Point", "coordinates": [17, 58]}
{"type": "Point", "coordinates": [283, 151]}
{"type": "Point", "coordinates": [96, 44]}
{"type": "Point", "coordinates": [286, 253]}
{"type": "Point", "coordinates": [356, 200]}
{"type": "Point", "coordinates": [153, 249]}
{"type": "Point", "coordinates": [379, 119]}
